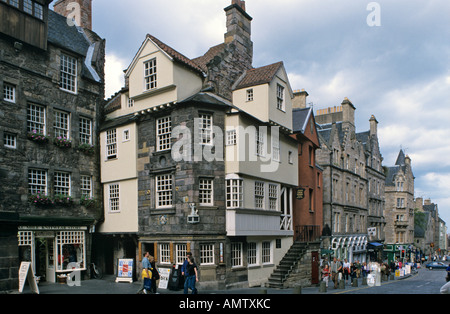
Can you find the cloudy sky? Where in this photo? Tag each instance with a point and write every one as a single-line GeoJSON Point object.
{"type": "Point", "coordinates": [398, 69]}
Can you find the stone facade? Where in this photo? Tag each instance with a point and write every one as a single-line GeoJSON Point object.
{"type": "Point", "coordinates": [353, 182]}
{"type": "Point", "coordinates": [399, 210]}
{"type": "Point", "coordinates": [33, 97]}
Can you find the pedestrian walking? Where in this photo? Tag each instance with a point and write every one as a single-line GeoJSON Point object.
{"type": "Point", "coordinates": [146, 274]}
{"type": "Point", "coordinates": [346, 269]}
{"type": "Point", "coordinates": [191, 276]}
{"type": "Point", "coordinates": [353, 274]}
{"type": "Point", "coordinates": [183, 268]}
{"type": "Point", "coordinates": [155, 274]}
{"type": "Point", "coordinates": [335, 267]}
{"type": "Point", "coordinates": [326, 274]}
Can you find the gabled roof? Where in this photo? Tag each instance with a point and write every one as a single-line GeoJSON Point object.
{"type": "Point", "coordinates": [259, 76]}
{"type": "Point", "coordinates": [169, 51]}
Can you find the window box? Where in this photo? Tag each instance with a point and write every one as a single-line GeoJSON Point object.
{"type": "Point", "coordinates": [40, 199]}
{"type": "Point", "coordinates": [88, 149]}
{"type": "Point", "coordinates": [63, 200]}
{"type": "Point", "coordinates": [38, 137]}
{"type": "Point", "coordinates": [88, 202]}
{"type": "Point", "coordinates": [62, 142]}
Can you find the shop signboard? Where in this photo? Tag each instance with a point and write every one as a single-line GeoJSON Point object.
{"type": "Point", "coordinates": [26, 273]}
{"type": "Point", "coordinates": [164, 274]}
{"type": "Point", "coordinates": [125, 270]}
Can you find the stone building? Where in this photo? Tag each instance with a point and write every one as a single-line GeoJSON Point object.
{"type": "Point", "coordinates": [51, 87]}
{"type": "Point", "coordinates": [172, 175]}
{"type": "Point", "coordinates": [353, 184]}
{"type": "Point", "coordinates": [399, 209]}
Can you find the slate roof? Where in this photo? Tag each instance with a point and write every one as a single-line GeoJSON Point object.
{"type": "Point", "coordinates": [300, 117]}
{"type": "Point", "coordinates": [258, 76]}
{"type": "Point", "coordinates": [65, 36]}
{"type": "Point", "coordinates": [70, 38]}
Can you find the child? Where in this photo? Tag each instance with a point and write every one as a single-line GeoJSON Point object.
{"type": "Point", "coordinates": [326, 274]}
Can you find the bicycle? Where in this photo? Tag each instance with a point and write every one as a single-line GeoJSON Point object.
{"type": "Point", "coordinates": [95, 272]}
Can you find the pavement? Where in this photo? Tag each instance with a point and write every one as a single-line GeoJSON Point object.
{"type": "Point", "coordinates": [107, 285]}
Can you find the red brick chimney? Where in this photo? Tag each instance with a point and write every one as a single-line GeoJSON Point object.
{"type": "Point", "coordinates": [79, 10]}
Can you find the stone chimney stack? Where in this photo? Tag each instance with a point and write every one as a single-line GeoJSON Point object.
{"type": "Point", "coordinates": [373, 126]}
{"type": "Point", "coordinates": [299, 100]}
{"type": "Point", "coordinates": [78, 10]}
{"type": "Point", "coordinates": [348, 115]}
{"type": "Point", "coordinates": [239, 30]}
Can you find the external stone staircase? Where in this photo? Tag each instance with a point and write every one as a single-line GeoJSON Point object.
{"type": "Point", "coordinates": [287, 265]}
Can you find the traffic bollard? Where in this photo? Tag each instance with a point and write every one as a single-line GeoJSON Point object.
{"type": "Point", "coordinates": [323, 287]}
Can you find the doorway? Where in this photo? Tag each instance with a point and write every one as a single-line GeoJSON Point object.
{"type": "Point", "coordinates": [44, 259]}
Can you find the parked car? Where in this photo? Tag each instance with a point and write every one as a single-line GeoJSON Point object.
{"type": "Point", "coordinates": [436, 265]}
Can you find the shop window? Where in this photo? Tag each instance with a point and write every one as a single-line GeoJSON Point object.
{"type": "Point", "coordinates": [70, 249]}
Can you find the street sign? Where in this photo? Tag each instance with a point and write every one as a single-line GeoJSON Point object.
{"type": "Point", "coordinates": [300, 194]}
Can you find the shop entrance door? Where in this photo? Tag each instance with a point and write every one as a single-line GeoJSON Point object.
{"type": "Point", "coordinates": [45, 265]}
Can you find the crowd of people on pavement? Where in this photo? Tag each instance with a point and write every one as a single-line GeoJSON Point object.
{"type": "Point", "coordinates": [337, 270]}
{"type": "Point", "coordinates": [150, 274]}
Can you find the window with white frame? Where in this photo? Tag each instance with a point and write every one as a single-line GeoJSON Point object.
{"type": "Point", "coordinates": [205, 194]}
{"type": "Point", "coordinates": [68, 74]}
{"type": "Point", "coordinates": [111, 144]}
{"type": "Point", "coordinates": [85, 131]}
{"type": "Point", "coordinates": [259, 142]}
{"type": "Point", "coordinates": [37, 181]}
{"type": "Point", "coordinates": [61, 124]}
{"type": "Point", "coordinates": [180, 253]}
{"type": "Point", "coordinates": [231, 137]}
{"type": "Point", "coordinates": [207, 254]}
{"type": "Point", "coordinates": [9, 92]}
{"type": "Point", "coordinates": [259, 195]}
{"type": "Point", "coordinates": [290, 157]}
{"type": "Point", "coordinates": [266, 253]}
{"type": "Point", "coordinates": [62, 183]}
{"type": "Point", "coordinates": [280, 97]}
{"type": "Point", "coordinates": [36, 119]}
{"type": "Point", "coordinates": [252, 254]}
{"type": "Point", "coordinates": [164, 190]}
{"type": "Point", "coordinates": [206, 129]}
{"type": "Point", "coordinates": [234, 191]}
{"type": "Point", "coordinates": [130, 102]}
{"type": "Point", "coordinates": [9, 140]}
{"type": "Point", "coordinates": [250, 94]}
{"type": "Point", "coordinates": [126, 135]}
{"type": "Point", "coordinates": [86, 186]}
{"type": "Point", "coordinates": [150, 74]}
{"type": "Point", "coordinates": [273, 196]}
{"type": "Point", "coordinates": [164, 133]}
{"type": "Point", "coordinates": [70, 240]}
{"type": "Point", "coordinates": [113, 193]}
{"type": "Point", "coordinates": [164, 253]}
{"type": "Point", "coordinates": [236, 254]}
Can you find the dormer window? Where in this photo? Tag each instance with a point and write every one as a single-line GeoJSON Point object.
{"type": "Point", "coordinates": [150, 74]}
{"type": "Point", "coordinates": [280, 98]}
